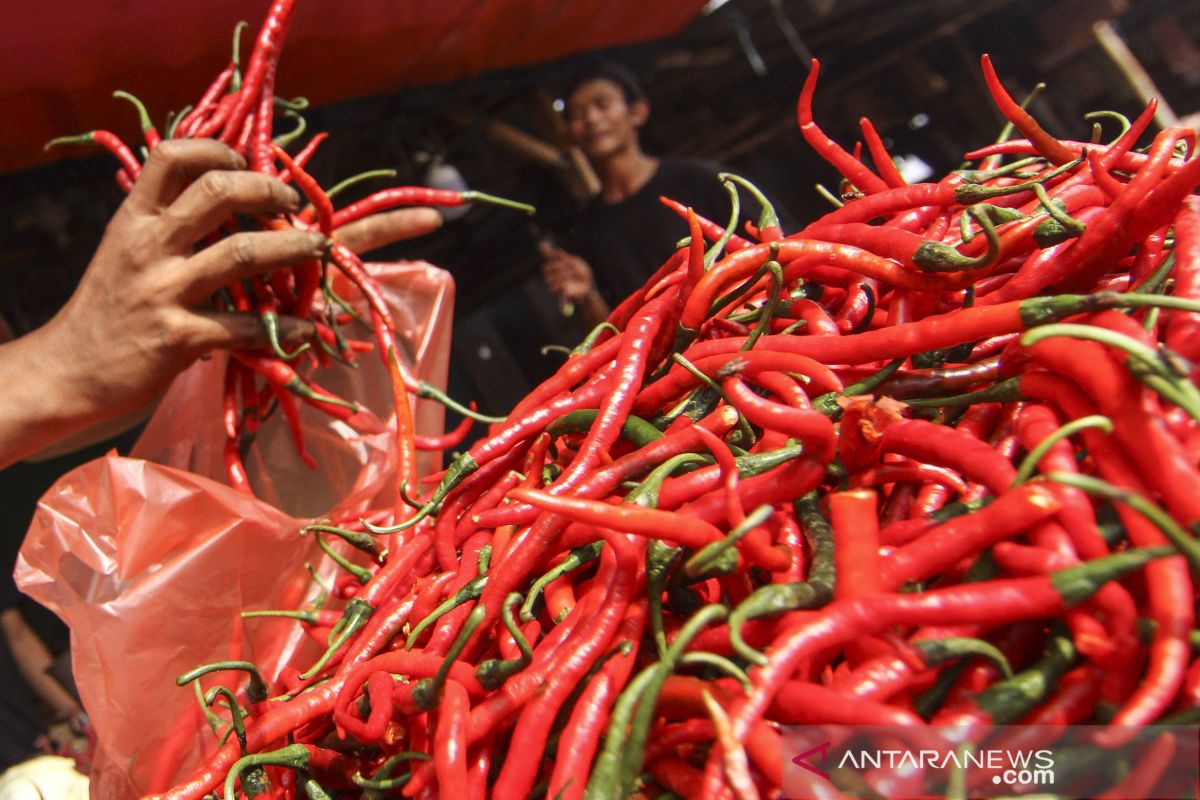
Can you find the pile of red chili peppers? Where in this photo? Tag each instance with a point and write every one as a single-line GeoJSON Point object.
{"type": "Point", "coordinates": [239, 110]}
{"type": "Point", "coordinates": [931, 459]}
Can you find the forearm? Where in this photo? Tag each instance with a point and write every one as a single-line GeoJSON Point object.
{"type": "Point", "coordinates": [34, 661]}
{"type": "Point", "coordinates": [41, 402]}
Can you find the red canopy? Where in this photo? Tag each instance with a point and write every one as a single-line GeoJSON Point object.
{"type": "Point", "coordinates": [60, 60]}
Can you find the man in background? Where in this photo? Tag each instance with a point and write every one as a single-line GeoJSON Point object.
{"type": "Point", "coordinates": [624, 233]}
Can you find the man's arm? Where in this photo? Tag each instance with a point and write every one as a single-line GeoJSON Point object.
{"type": "Point", "coordinates": [34, 661]}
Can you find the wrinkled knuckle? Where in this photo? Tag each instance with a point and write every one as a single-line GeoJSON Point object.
{"type": "Point", "coordinates": [217, 186]}
{"type": "Point", "coordinates": [169, 150]}
{"type": "Point", "coordinates": [243, 250]}
{"type": "Point", "coordinates": [172, 332]}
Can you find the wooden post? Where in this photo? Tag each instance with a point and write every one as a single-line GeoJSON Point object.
{"type": "Point", "coordinates": [1140, 80]}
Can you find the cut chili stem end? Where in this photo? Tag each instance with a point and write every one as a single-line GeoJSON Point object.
{"type": "Point", "coordinates": [257, 690]}
{"type": "Point", "coordinates": [237, 715]}
{"type": "Point", "coordinates": [80, 138]}
{"type": "Point", "coordinates": [294, 756]}
{"type": "Point", "coordinates": [472, 196]}
{"type": "Point", "coordinates": [359, 540]}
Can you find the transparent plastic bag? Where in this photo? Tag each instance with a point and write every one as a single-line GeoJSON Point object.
{"type": "Point", "coordinates": [150, 560]}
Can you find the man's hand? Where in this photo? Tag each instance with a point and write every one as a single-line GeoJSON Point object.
{"type": "Point", "coordinates": [380, 230]}
{"type": "Point", "coordinates": [567, 276]}
{"type": "Point", "coordinates": [570, 278]}
{"type": "Point", "coordinates": [141, 312]}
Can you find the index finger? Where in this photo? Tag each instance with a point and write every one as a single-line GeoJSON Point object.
{"type": "Point", "coordinates": [175, 163]}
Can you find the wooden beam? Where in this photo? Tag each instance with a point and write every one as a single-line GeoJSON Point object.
{"type": "Point", "coordinates": [1129, 65]}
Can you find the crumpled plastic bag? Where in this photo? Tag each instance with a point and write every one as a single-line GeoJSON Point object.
{"type": "Point", "coordinates": [150, 560]}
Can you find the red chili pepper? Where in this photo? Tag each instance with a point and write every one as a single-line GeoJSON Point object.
{"type": "Point", "coordinates": [265, 55]}
{"type": "Point", "coordinates": [855, 521]}
{"type": "Point", "coordinates": [651, 523]}
{"type": "Point", "coordinates": [851, 168]}
{"type": "Point", "coordinates": [450, 746]}
{"type": "Point", "coordinates": [235, 470]}
{"type": "Point", "coordinates": [1149, 768]}
{"type": "Point", "coordinates": [277, 373]}
{"type": "Point", "coordinates": [302, 158]}
{"type": "Point", "coordinates": [882, 159]}
{"type": "Point", "coordinates": [812, 428]}
{"type": "Point", "coordinates": [110, 142]}
{"type": "Point", "coordinates": [1046, 144]}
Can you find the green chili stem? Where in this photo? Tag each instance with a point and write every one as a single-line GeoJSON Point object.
{"type": "Point", "coordinates": [1056, 213]}
{"type": "Point", "coordinates": [354, 617]}
{"type": "Point", "coordinates": [714, 252]}
{"type": "Point", "coordinates": [1029, 464]}
{"type": "Point", "coordinates": [573, 560]}
{"type": "Point", "coordinates": [257, 690]}
{"type": "Point", "coordinates": [286, 140]}
{"type": "Point", "coordinates": [767, 217]}
{"type": "Point", "coordinates": [714, 555]}
{"type": "Point", "coordinates": [768, 309]}
{"type": "Point", "coordinates": [1121, 119]}
{"type": "Point", "coordinates": [1179, 538]}
{"type": "Point", "coordinates": [719, 662]}
{"type": "Point", "coordinates": [360, 574]}
{"type": "Point", "coordinates": [492, 673]}
{"type": "Point", "coordinates": [428, 692]}
{"type": "Point", "coordinates": [470, 592]}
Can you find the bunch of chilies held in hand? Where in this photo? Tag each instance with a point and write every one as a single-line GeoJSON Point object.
{"type": "Point", "coordinates": [239, 110]}
{"type": "Point", "coordinates": [930, 459]}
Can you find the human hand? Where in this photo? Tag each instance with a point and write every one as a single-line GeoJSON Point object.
{"type": "Point", "coordinates": [141, 312]}
{"type": "Point", "coordinates": [567, 276]}
{"type": "Point", "coordinates": [380, 230]}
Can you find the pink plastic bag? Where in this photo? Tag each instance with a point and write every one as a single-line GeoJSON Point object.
{"type": "Point", "coordinates": [150, 560]}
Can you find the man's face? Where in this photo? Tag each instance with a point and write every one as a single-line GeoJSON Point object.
{"type": "Point", "coordinates": [600, 121]}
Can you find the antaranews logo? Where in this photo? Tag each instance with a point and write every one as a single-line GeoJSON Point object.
{"type": "Point", "coordinates": [802, 760]}
{"type": "Point", "coordinates": [1000, 761]}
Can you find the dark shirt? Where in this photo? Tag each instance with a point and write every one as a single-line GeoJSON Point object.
{"type": "Point", "coordinates": [625, 242]}
{"type": "Point", "coordinates": [20, 721]}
